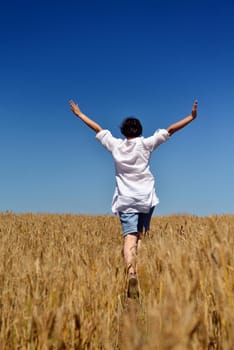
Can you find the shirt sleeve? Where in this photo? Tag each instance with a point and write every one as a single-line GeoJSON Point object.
{"type": "Point", "coordinates": [160, 136]}
{"type": "Point", "coordinates": [106, 139]}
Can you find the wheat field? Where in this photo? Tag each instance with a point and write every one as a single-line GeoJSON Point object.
{"type": "Point", "coordinates": [63, 284]}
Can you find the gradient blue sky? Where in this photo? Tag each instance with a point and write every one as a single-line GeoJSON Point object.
{"type": "Point", "coordinates": [115, 58]}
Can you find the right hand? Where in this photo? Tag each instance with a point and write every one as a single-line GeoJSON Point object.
{"type": "Point", "coordinates": [74, 108]}
{"type": "Point", "coordinates": [194, 110]}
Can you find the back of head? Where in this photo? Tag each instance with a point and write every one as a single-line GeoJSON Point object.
{"type": "Point", "coordinates": [131, 127]}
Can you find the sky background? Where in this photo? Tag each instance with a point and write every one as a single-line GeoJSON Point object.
{"type": "Point", "coordinates": [116, 58]}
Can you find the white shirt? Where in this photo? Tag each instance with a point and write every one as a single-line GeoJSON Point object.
{"type": "Point", "coordinates": [134, 190]}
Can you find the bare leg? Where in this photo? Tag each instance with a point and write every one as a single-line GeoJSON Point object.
{"type": "Point", "coordinates": [130, 250]}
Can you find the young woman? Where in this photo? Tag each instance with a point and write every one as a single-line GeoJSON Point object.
{"type": "Point", "coordinates": [134, 197]}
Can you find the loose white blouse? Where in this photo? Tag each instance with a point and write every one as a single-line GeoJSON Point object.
{"type": "Point", "coordinates": [135, 186]}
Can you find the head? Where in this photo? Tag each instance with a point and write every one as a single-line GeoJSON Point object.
{"type": "Point", "coordinates": [131, 127]}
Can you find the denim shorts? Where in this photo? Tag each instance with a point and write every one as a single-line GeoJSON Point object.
{"type": "Point", "coordinates": [135, 222]}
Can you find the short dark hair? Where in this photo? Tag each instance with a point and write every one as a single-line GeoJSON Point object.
{"type": "Point", "coordinates": [131, 127]}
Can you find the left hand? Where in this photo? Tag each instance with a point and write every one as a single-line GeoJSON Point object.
{"type": "Point", "coordinates": [74, 107]}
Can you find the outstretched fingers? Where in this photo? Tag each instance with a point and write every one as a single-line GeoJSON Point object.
{"type": "Point", "coordinates": [194, 109]}
{"type": "Point", "coordinates": [74, 107]}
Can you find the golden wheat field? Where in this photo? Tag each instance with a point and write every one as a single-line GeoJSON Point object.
{"type": "Point", "coordinates": [63, 284]}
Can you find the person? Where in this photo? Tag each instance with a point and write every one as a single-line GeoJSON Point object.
{"type": "Point", "coordinates": [134, 198]}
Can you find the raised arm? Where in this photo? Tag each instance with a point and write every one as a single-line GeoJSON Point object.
{"type": "Point", "coordinates": [183, 122]}
{"type": "Point", "coordinates": [91, 124]}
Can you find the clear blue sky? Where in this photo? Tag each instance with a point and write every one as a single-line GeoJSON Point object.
{"type": "Point", "coordinates": [115, 58]}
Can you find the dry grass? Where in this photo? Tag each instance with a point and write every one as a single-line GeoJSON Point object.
{"type": "Point", "coordinates": [62, 284]}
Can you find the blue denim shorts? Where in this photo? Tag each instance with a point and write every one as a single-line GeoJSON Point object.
{"type": "Point", "coordinates": [135, 222]}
